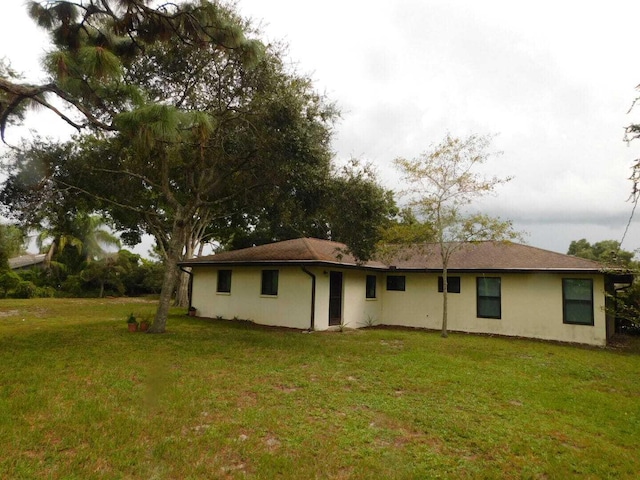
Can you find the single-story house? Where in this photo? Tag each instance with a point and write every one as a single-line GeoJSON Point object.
{"type": "Point", "coordinates": [494, 288]}
{"type": "Point", "coordinates": [30, 260]}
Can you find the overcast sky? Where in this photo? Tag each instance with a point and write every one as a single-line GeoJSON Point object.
{"type": "Point", "coordinates": [553, 80]}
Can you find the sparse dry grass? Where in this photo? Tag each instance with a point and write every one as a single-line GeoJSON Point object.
{"type": "Point", "coordinates": [80, 397]}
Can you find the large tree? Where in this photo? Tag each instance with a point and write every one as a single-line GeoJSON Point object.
{"type": "Point", "coordinates": [191, 122]}
{"type": "Point", "coordinates": [442, 183]}
{"type": "Point", "coordinates": [346, 205]}
{"type": "Point", "coordinates": [605, 251]}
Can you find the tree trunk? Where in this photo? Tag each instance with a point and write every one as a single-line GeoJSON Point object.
{"type": "Point", "coordinates": [168, 281]}
{"type": "Point", "coordinates": [50, 253]}
{"type": "Point", "coordinates": [182, 294]}
{"type": "Point", "coordinates": [168, 285]}
{"type": "Point", "coordinates": [445, 303]}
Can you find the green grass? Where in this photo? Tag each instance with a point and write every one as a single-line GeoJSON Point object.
{"type": "Point", "coordinates": [82, 398]}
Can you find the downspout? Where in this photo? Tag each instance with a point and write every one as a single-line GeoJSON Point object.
{"type": "Point", "coordinates": [190, 286]}
{"type": "Point", "coordinates": [313, 298]}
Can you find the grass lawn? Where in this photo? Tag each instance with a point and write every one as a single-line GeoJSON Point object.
{"type": "Point", "coordinates": [80, 397]}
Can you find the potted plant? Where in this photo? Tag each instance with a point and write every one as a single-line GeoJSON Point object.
{"type": "Point", "coordinates": [132, 323]}
{"type": "Point", "coordinates": [192, 311]}
{"type": "Point", "coordinates": [145, 323]}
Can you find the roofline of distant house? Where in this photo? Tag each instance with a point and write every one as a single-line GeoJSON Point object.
{"type": "Point", "coordinates": [388, 269]}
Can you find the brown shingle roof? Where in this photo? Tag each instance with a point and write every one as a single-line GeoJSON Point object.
{"type": "Point", "coordinates": [486, 256]}
{"type": "Point", "coordinates": [299, 251]}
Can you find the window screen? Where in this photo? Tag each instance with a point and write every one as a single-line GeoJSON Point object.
{"type": "Point", "coordinates": [489, 297]}
{"type": "Point", "coordinates": [577, 294]}
{"type": "Point", "coordinates": [269, 282]}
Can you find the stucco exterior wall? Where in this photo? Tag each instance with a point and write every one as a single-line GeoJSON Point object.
{"type": "Point", "coordinates": [290, 308]}
{"type": "Point", "coordinates": [358, 310]}
{"type": "Point", "coordinates": [531, 305]}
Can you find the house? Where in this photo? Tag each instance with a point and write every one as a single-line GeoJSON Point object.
{"type": "Point", "coordinates": [30, 260]}
{"type": "Point", "coordinates": [494, 288]}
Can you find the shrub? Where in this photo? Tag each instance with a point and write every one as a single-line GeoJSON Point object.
{"type": "Point", "coordinates": [45, 292]}
{"type": "Point", "coordinates": [25, 289]}
{"type": "Point", "coordinates": [8, 281]}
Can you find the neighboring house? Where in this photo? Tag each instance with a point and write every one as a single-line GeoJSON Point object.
{"type": "Point", "coordinates": [494, 288]}
{"type": "Point", "coordinates": [24, 262]}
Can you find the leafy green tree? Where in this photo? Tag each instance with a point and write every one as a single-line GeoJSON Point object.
{"type": "Point", "coordinates": [404, 229]}
{"type": "Point", "coordinates": [442, 183]}
{"type": "Point", "coordinates": [138, 275]}
{"type": "Point", "coordinates": [319, 209]}
{"type": "Point", "coordinates": [12, 244]}
{"type": "Point", "coordinates": [193, 122]}
{"type": "Point", "coordinates": [358, 209]}
{"type": "Point", "coordinates": [105, 272]}
{"type": "Point", "coordinates": [8, 281]}
{"type": "Point", "coordinates": [122, 273]}
{"type": "Point", "coordinates": [605, 251]}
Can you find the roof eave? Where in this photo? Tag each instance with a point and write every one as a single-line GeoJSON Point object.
{"type": "Point", "coordinates": [391, 269]}
{"type": "Point", "coordinates": [503, 270]}
{"type": "Point", "coordinates": [279, 263]}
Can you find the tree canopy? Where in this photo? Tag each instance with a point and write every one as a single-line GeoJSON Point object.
{"type": "Point", "coordinates": [95, 43]}
{"type": "Point", "coordinates": [605, 251]}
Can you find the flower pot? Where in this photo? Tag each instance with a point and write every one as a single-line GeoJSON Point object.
{"type": "Point", "coordinates": [133, 327]}
{"type": "Point", "coordinates": [192, 313]}
{"type": "Point", "coordinates": [144, 326]}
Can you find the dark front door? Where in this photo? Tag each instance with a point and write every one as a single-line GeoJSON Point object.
{"type": "Point", "coordinates": [335, 298]}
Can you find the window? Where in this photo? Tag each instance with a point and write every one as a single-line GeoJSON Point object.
{"type": "Point", "coordinates": [488, 297]}
{"type": "Point", "coordinates": [269, 282]}
{"type": "Point", "coordinates": [453, 284]}
{"type": "Point", "coordinates": [224, 281]}
{"type": "Point", "coordinates": [371, 286]}
{"type": "Point", "coordinates": [396, 282]}
{"type": "Point", "coordinates": [577, 301]}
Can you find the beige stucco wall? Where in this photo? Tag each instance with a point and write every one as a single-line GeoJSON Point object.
{"type": "Point", "coordinates": [290, 308]}
{"type": "Point", "coordinates": [531, 307]}
{"type": "Point", "coordinates": [358, 310]}
{"type": "Point", "coordinates": [531, 303]}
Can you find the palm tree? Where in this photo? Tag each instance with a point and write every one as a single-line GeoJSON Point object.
{"type": "Point", "coordinates": [86, 233]}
